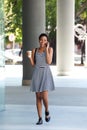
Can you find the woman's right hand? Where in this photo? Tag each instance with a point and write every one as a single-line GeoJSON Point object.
{"type": "Point", "coordinates": [29, 54]}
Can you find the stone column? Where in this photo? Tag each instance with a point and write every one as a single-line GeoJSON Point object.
{"type": "Point", "coordinates": [33, 25]}
{"type": "Point", "coordinates": [65, 36]}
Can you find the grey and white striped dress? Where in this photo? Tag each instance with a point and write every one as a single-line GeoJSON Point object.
{"type": "Point", "coordinates": [42, 77]}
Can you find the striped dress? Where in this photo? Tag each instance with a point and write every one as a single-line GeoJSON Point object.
{"type": "Point", "coordinates": [42, 79]}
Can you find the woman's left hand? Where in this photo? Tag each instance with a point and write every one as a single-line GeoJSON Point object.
{"type": "Point", "coordinates": [47, 45]}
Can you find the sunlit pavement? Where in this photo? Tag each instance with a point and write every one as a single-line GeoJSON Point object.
{"type": "Point", "coordinates": [78, 77]}
{"type": "Point", "coordinates": [68, 103]}
{"type": "Point", "coordinates": [13, 75]}
{"type": "Point", "coordinates": [24, 117]}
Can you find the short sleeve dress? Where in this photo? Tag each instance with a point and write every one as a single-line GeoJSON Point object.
{"type": "Point", "coordinates": [42, 78]}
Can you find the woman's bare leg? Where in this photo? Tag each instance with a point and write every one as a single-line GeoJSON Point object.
{"type": "Point", "coordinates": [39, 104]}
{"type": "Point", "coordinates": [45, 99]}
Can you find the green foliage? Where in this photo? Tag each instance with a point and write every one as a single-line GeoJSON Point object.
{"type": "Point", "coordinates": [51, 18]}
{"type": "Point", "coordinates": [13, 18]}
{"type": "Point", "coordinates": [1, 18]}
{"type": "Point", "coordinates": [51, 24]}
{"type": "Point", "coordinates": [80, 15]}
{"type": "Point", "coordinates": [81, 11]}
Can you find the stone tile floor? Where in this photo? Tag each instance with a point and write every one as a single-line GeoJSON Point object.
{"type": "Point", "coordinates": [24, 117]}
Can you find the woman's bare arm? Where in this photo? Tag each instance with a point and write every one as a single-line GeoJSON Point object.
{"type": "Point", "coordinates": [49, 54]}
{"type": "Point", "coordinates": [31, 57]}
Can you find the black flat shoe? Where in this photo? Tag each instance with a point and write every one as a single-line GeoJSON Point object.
{"type": "Point", "coordinates": [47, 116]}
{"type": "Point", "coordinates": [40, 121]}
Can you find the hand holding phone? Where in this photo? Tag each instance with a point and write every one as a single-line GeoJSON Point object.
{"type": "Point", "coordinates": [47, 44]}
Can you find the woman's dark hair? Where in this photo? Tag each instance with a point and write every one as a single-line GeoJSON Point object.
{"type": "Point", "coordinates": [42, 35]}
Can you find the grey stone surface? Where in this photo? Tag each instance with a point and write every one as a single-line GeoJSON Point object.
{"type": "Point", "coordinates": [67, 104]}
{"type": "Point", "coordinates": [24, 117]}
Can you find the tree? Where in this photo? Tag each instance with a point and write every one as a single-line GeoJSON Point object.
{"type": "Point", "coordinates": [81, 11]}
{"type": "Point", "coordinates": [51, 17]}
{"type": "Point", "coordinates": [13, 18]}
{"type": "Point", "coordinates": [51, 24]}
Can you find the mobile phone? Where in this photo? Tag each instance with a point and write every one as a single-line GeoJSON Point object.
{"type": "Point", "coordinates": [46, 44]}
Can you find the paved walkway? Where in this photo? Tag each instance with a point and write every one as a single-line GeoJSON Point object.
{"type": "Point", "coordinates": [67, 104]}
{"type": "Point", "coordinates": [66, 96]}
{"type": "Point", "coordinates": [24, 117]}
{"type": "Point", "coordinates": [78, 77]}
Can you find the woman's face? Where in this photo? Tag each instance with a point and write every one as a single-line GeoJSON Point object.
{"type": "Point", "coordinates": [43, 41]}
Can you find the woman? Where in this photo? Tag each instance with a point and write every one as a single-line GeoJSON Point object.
{"type": "Point", "coordinates": [42, 80]}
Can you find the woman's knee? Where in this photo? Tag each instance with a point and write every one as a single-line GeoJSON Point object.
{"type": "Point", "coordinates": [45, 94]}
{"type": "Point", "coordinates": [38, 96]}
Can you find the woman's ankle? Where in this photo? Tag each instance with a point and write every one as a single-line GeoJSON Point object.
{"type": "Point", "coordinates": [47, 116]}
{"type": "Point", "coordinates": [40, 121]}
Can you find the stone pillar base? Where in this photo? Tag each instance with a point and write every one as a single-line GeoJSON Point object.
{"type": "Point", "coordinates": [26, 82]}
{"type": "Point", "coordinates": [65, 73]}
